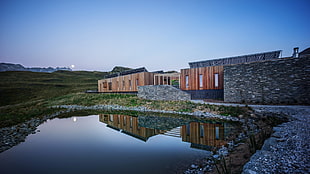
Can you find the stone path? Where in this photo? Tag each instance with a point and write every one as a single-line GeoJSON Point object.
{"type": "Point", "coordinates": [288, 148]}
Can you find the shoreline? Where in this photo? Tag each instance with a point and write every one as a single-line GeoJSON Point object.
{"type": "Point", "coordinates": [294, 132]}
{"type": "Point", "coordinates": [13, 135]}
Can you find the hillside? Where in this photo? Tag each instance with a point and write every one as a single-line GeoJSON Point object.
{"type": "Point", "coordinates": [19, 67]}
{"type": "Point", "coordinates": [23, 86]}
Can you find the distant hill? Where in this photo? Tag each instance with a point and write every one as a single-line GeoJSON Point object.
{"type": "Point", "coordinates": [19, 67]}
{"type": "Point", "coordinates": [118, 69]}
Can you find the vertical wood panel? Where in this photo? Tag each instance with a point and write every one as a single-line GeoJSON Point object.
{"type": "Point", "coordinates": [208, 78]}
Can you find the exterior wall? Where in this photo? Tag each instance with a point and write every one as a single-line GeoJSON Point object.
{"type": "Point", "coordinates": [167, 79]}
{"type": "Point", "coordinates": [208, 90]}
{"type": "Point", "coordinates": [281, 81]}
{"type": "Point", "coordinates": [207, 76]}
{"type": "Point", "coordinates": [125, 83]}
{"type": "Point", "coordinates": [162, 92]}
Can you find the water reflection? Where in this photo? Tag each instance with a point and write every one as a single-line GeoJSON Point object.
{"type": "Point", "coordinates": [129, 125]}
{"type": "Point", "coordinates": [201, 135]}
{"type": "Point", "coordinates": [204, 135]}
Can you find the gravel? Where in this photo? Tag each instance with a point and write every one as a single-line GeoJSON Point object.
{"type": "Point", "coordinates": [288, 148]}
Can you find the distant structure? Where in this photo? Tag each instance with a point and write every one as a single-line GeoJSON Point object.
{"type": "Point", "coordinates": [205, 79]}
{"type": "Point", "coordinates": [128, 81]}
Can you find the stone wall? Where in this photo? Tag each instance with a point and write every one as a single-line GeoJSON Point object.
{"type": "Point", "coordinates": [280, 81]}
{"type": "Point", "coordinates": [162, 92]}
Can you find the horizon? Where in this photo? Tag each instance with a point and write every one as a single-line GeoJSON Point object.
{"type": "Point", "coordinates": [159, 35]}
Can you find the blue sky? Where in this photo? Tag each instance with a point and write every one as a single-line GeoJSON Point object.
{"type": "Point", "coordinates": [158, 34]}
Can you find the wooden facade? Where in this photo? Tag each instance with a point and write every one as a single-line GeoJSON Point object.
{"type": "Point", "coordinates": [167, 79]}
{"type": "Point", "coordinates": [203, 78]}
{"type": "Point", "coordinates": [126, 83]}
{"type": "Point", "coordinates": [129, 125]}
{"type": "Point", "coordinates": [204, 134]}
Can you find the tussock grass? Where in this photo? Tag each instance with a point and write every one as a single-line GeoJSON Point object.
{"type": "Point", "coordinates": [25, 95]}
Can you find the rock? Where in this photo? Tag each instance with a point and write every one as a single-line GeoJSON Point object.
{"type": "Point", "coordinates": [193, 166]}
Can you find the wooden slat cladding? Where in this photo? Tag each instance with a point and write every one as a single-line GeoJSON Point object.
{"type": "Point", "coordinates": [126, 83]}
{"type": "Point", "coordinates": [208, 134]}
{"type": "Point", "coordinates": [208, 78]}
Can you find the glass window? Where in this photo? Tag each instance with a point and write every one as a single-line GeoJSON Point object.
{"type": "Point", "coordinates": [202, 133]}
{"type": "Point", "coordinates": [217, 133]}
{"type": "Point", "coordinates": [200, 81]}
{"type": "Point", "coordinates": [188, 129]}
{"type": "Point", "coordinates": [186, 81]}
{"type": "Point", "coordinates": [216, 80]}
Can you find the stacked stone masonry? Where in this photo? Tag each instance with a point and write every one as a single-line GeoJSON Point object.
{"type": "Point", "coordinates": [162, 92]}
{"type": "Point", "coordinates": [279, 81]}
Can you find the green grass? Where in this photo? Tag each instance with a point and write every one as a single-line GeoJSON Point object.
{"type": "Point", "coordinates": [18, 87]}
{"type": "Point", "coordinates": [25, 95]}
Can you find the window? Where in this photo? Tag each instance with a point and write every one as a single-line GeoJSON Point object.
{"type": "Point", "coordinates": [217, 133]}
{"type": "Point", "coordinates": [137, 82]}
{"type": "Point", "coordinates": [130, 122]}
{"type": "Point", "coordinates": [200, 81]}
{"type": "Point", "coordinates": [111, 117]}
{"type": "Point", "coordinates": [186, 81]}
{"type": "Point", "coordinates": [188, 129]}
{"type": "Point", "coordinates": [129, 84]}
{"type": "Point", "coordinates": [123, 84]}
{"type": "Point", "coordinates": [110, 85]}
{"type": "Point", "coordinates": [202, 133]}
{"type": "Point", "coordinates": [105, 85]}
{"type": "Point", "coordinates": [216, 80]}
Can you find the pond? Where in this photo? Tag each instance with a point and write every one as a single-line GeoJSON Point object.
{"type": "Point", "coordinates": [111, 143]}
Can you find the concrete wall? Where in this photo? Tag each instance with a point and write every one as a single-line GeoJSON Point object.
{"type": "Point", "coordinates": [162, 92]}
{"type": "Point", "coordinates": [280, 81]}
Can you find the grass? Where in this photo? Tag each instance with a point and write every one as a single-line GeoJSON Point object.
{"type": "Point", "coordinates": [19, 87]}
{"type": "Point", "coordinates": [25, 95]}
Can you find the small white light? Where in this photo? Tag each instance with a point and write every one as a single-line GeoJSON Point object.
{"type": "Point", "coordinates": [74, 119]}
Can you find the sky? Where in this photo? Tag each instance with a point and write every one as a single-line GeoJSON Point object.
{"type": "Point", "coordinates": [156, 34]}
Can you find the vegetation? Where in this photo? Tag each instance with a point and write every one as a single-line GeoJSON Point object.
{"type": "Point", "coordinates": [21, 86]}
{"type": "Point", "coordinates": [25, 95]}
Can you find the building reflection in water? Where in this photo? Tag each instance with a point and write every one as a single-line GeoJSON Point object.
{"type": "Point", "coordinates": [204, 135]}
{"type": "Point", "coordinates": [200, 135]}
{"type": "Point", "coordinates": [128, 125]}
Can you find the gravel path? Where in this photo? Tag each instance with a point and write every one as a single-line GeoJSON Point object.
{"type": "Point", "coordinates": [288, 148]}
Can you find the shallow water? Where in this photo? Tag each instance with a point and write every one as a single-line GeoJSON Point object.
{"type": "Point", "coordinates": [114, 144]}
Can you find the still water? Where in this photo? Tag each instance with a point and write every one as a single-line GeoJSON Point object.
{"type": "Point", "coordinates": [109, 143]}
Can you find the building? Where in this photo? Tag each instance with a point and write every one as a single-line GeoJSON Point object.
{"type": "Point", "coordinates": [205, 79]}
{"type": "Point", "coordinates": [128, 125]}
{"type": "Point", "coordinates": [128, 81]}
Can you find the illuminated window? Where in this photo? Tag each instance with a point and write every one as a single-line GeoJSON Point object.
{"type": "Point", "coordinates": [186, 81]}
{"type": "Point", "coordinates": [200, 81]}
{"type": "Point", "coordinates": [216, 80]}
